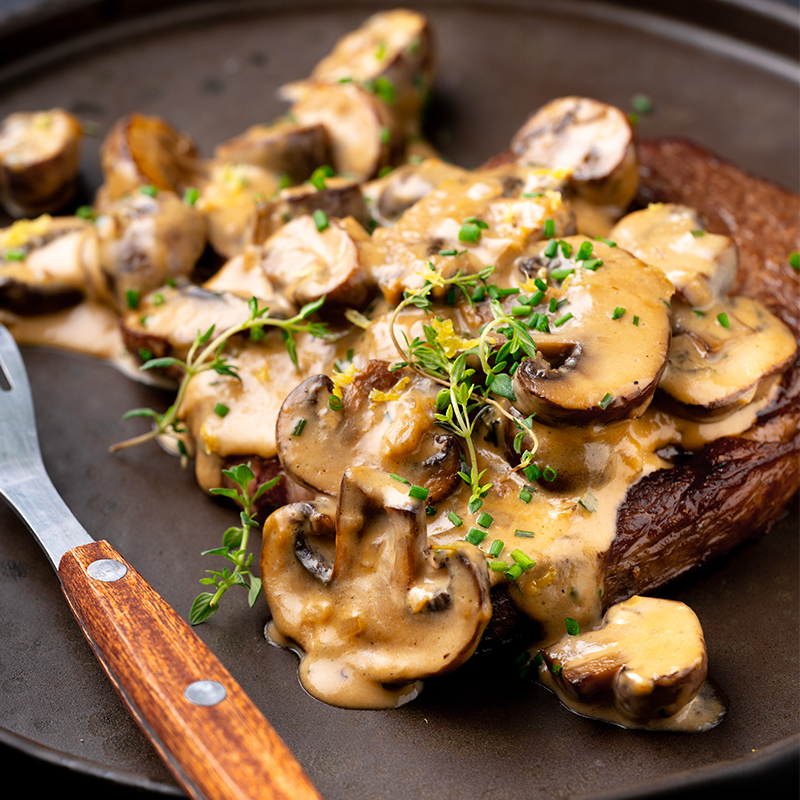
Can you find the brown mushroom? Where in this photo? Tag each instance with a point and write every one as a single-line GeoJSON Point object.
{"type": "Point", "coordinates": [648, 654]}
{"type": "Point", "coordinates": [144, 240]}
{"type": "Point", "coordinates": [591, 140]}
{"type": "Point", "coordinates": [391, 46]}
{"type": "Point", "coordinates": [701, 266]}
{"type": "Point", "coordinates": [141, 150]}
{"type": "Point", "coordinates": [363, 132]}
{"type": "Point", "coordinates": [592, 367]}
{"type": "Point", "coordinates": [340, 197]}
{"type": "Point", "coordinates": [724, 357]}
{"type": "Point", "coordinates": [384, 610]}
{"type": "Point", "coordinates": [39, 161]}
{"type": "Point", "coordinates": [382, 420]}
{"type": "Point", "coordinates": [284, 148]}
{"type": "Point", "coordinates": [41, 264]}
{"type": "Point", "coordinates": [307, 261]}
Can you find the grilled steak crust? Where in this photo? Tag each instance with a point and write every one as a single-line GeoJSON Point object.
{"type": "Point", "coordinates": [680, 518]}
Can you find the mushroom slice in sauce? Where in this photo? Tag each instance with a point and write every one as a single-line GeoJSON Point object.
{"type": "Point", "coordinates": [468, 222]}
{"type": "Point", "coordinates": [391, 46]}
{"type": "Point", "coordinates": [702, 266]}
{"type": "Point", "coordinates": [385, 421]}
{"type": "Point", "coordinates": [41, 264]}
{"type": "Point", "coordinates": [228, 201]}
{"type": "Point", "coordinates": [591, 140]}
{"type": "Point", "coordinates": [648, 657]}
{"type": "Point", "coordinates": [307, 263]}
{"type": "Point", "coordinates": [341, 198]}
{"type": "Point", "coordinates": [385, 611]}
{"type": "Point", "coordinates": [592, 367]}
{"type": "Point", "coordinates": [389, 197]}
{"type": "Point", "coordinates": [39, 161]}
{"type": "Point", "coordinates": [141, 150]}
{"type": "Point", "coordinates": [363, 131]}
{"type": "Point", "coordinates": [724, 357]}
{"type": "Point", "coordinates": [284, 148]}
{"type": "Point", "coordinates": [145, 240]}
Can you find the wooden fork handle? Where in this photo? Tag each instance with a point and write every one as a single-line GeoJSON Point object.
{"type": "Point", "coordinates": [224, 751]}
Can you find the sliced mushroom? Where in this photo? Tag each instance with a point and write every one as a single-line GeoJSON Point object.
{"type": "Point", "coordinates": [228, 201]}
{"type": "Point", "coordinates": [363, 132]}
{"type": "Point", "coordinates": [144, 240]}
{"type": "Point", "coordinates": [468, 222]}
{"type": "Point", "coordinates": [284, 148]}
{"type": "Point", "coordinates": [649, 654]}
{"type": "Point", "coordinates": [590, 367]}
{"type": "Point", "coordinates": [341, 198]}
{"type": "Point", "coordinates": [39, 161]}
{"type": "Point", "coordinates": [702, 266]}
{"type": "Point", "coordinates": [384, 421]}
{"type": "Point", "coordinates": [307, 263]}
{"type": "Point", "coordinates": [394, 46]}
{"type": "Point", "coordinates": [389, 197]}
{"type": "Point", "coordinates": [385, 609]}
{"type": "Point", "coordinates": [593, 141]}
{"type": "Point", "coordinates": [41, 264]}
{"type": "Point", "coordinates": [167, 322]}
{"type": "Point", "coordinates": [141, 150]}
{"type": "Point", "coordinates": [724, 357]}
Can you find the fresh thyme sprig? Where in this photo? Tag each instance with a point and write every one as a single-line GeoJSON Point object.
{"type": "Point", "coordinates": [234, 548]}
{"type": "Point", "coordinates": [206, 354]}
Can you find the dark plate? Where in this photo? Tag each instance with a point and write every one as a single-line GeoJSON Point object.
{"type": "Point", "coordinates": [212, 70]}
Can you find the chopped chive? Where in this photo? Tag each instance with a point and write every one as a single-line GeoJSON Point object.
{"type": "Point", "coordinates": [551, 249]}
{"type": "Point", "coordinates": [298, 429]}
{"type": "Point", "coordinates": [191, 195]}
{"type": "Point", "coordinates": [589, 502]}
{"type": "Point", "coordinates": [419, 492]}
{"type": "Point", "coordinates": [561, 273]}
{"type": "Point", "coordinates": [525, 496]}
{"type": "Point", "coordinates": [345, 80]}
{"type": "Point", "coordinates": [380, 53]}
{"type": "Point", "coordinates": [553, 305]}
{"type": "Point", "coordinates": [584, 251]}
{"type": "Point", "coordinates": [132, 298]}
{"type": "Point", "coordinates": [317, 179]}
{"type": "Point", "coordinates": [150, 191]}
{"type": "Point", "coordinates": [559, 322]}
{"type": "Point", "coordinates": [549, 474]}
{"type": "Point", "coordinates": [496, 548]}
{"type": "Point", "coordinates": [549, 229]}
{"type": "Point", "coordinates": [469, 233]}
{"type": "Point", "coordinates": [384, 171]}
{"type": "Point", "coordinates": [532, 472]}
{"type": "Point", "coordinates": [284, 182]}
{"type": "Point", "coordinates": [794, 261]}
{"type": "Point", "coordinates": [385, 89]}
{"type": "Point", "coordinates": [531, 195]}
{"type": "Point", "coordinates": [642, 104]}
{"type": "Point", "coordinates": [540, 284]}
{"type": "Point", "coordinates": [475, 536]}
{"type": "Point", "coordinates": [158, 299]}
{"type": "Point", "coordinates": [606, 401]}
{"type": "Point", "coordinates": [606, 242]}
{"type": "Point", "coordinates": [635, 320]}
{"type": "Point", "coordinates": [698, 312]}
{"type": "Point", "coordinates": [593, 264]}
{"type": "Point", "coordinates": [334, 402]}
{"type": "Point", "coordinates": [723, 320]}
{"type": "Point", "coordinates": [171, 282]}
{"type": "Point", "coordinates": [430, 511]}
{"type": "Point", "coordinates": [145, 354]}
{"type": "Point", "coordinates": [536, 298]}
{"type": "Point", "coordinates": [475, 221]}
{"type": "Point", "coordinates": [386, 135]}
{"type": "Point", "coordinates": [485, 520]}
{"type": "Point", "coordinates": [566, 248]}
{"type": "Point", "coordinates": [498, 566]}
{"type": "Point", "coordinates": [520, 311]}
{"type": "Point", "coordinates": [698, 233]}
{"type": "Point", "coordinates": [573, 629]}
{"type": "Point", "coordinates": [320, 219]}
{"type": "Point", "coordinates": [455, 519]}
{"type": "Point", "coordinates": [85, 212]}
{"type": "Point", "coordinates": [14, 254]}
{"type": "Point", "coordinates": [220, 409]}
{"type": "Point", "coordinates": [452, 252]}
{"type": "Point", "coordinates": [617, 312]}
{"type": "Point", "coordinates": [523, 559]}
{"type": "Point", "coordinates": [399, 478]}
{"type": "Point", "coordinates": [556, 669]}
{"type": "Point", "coordinates": [523, 534]}
{"type": "Point", "coordinates": [513, 572]}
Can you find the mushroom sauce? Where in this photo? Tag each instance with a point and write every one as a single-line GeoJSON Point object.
{"type": "Point", "coordinates": [506, 355]}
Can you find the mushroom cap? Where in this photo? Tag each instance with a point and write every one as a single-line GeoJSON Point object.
{"type": "Point", "coordinates": [384, 609]}
{"type": "Point", "coordinates": [593, 368]}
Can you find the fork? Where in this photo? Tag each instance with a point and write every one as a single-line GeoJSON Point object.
{"type": "Point", "coordinates": [211, 736]}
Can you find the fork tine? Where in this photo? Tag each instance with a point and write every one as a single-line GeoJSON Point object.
{"type": "Point", "coordinates": [18, 439]}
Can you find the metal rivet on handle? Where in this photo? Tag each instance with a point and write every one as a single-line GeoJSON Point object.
{"type": "Point", "coordinates": [106, 569]}
{"type": "Point", "coordinates": [205, 693]}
